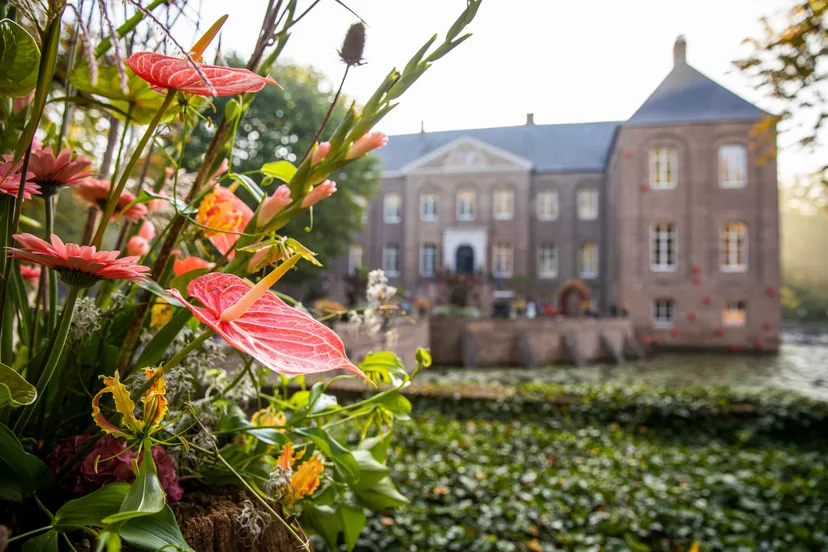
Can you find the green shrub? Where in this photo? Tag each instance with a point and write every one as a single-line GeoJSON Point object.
{"type": "Point", "coordinates": [455, 311]}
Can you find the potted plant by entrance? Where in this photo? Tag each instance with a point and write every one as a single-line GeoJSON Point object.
{"type": "Point", "coordinates": [155, 392]}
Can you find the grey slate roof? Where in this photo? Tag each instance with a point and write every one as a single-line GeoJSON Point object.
{"type": "Point", "coordinates": [687, 96]}
{"type": "Point", "coordinates": [580, 147]}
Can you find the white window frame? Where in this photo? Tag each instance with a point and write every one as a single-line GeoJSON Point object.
{"type": "Point", "coordinates": [428, 199]}
{"type": "Point", "coordinates": [547, 198]}
{"type": "Point", "coordinates": [507, 211]}
{"type": "Point", "coordinates": [662, 234]}
{"type": "Point", "coordinates": [732, 166]}
{"type": "Point", "coordinates": [588, 204]}
{"type": "Point", "coordinates": [389, 251]}
{"type": "Point", "coordinates": [390, 214]}
{"type": "Point", "coordinates": [667, 306]}
{"type": "Point", "coordinates": [582, 265]}
{"type": "Point", "coordinates": [734, 306]}
{"type": "Point", "coordinates": [733, 233]}
{"type": "Point", "coordinates": [662, 157]}
{"type": "Point", "coordinates": [423, 264]}
{"type": "Point", "coordinates": [471, 195]}
{"type": "Point", "coordinates": [353, 266]}
{"type": "Point", "coordinates": [502, 253]}
{"type": "Point", "coordinates": [543, 251]}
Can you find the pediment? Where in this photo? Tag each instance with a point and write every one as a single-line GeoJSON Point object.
{"type": "Point", "coordinates": [467, 155]}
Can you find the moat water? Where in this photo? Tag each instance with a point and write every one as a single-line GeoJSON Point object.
{"type": "Point", "coordinates": [801, 366]}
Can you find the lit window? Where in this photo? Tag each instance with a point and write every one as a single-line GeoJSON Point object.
{"type": "Point", "coordinates": [588, 260]}
{"type": "Point", "coordinates": [466, 204]}
{"type": "Point", "coordinates": [547, 261]}
{"type": "Point", "coordinates": [547, 205]}
{"type": "Point", "coordinates": [664, 312]}
{"type": "Point", "coordinates": [732, 166]}
{"type": "Point", "coordinates": [663, 246]}
{"type": "Point", "coordinates": [588, 204]}
{"type": "Point", "coordinates": [428, 207]}
{"type": "Point", "coordinates": [733, 247]}
{"type": "Point", "coordinates": [663, 168]}
{"type": "Point", "coordinates": [504, 204]}
{"type": "Point", "coordinates": [392, 208]}
{"type": "Point", "coordinates": [502, 260]}
{"type": "Point", "coordinates": [356, 256]}
{"type": "Point", "coordinates": [391, 259]}
{"type": "Point", "coordinates": [428, 259]}
{"type": "Point", "coordinates": [734, 313]}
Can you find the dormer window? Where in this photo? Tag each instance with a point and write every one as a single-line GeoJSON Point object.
{"type": "Point", "coordinates": [663, 168]}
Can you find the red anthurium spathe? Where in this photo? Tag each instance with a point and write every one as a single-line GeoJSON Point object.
{"type": "Point", "coordinates": [167, 72]}
{"type": "Point", "coordinates": [282, 338]}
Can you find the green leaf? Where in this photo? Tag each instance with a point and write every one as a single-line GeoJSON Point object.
{"type": "Point", "coordinates": [635, 544]}
{"type": "Point", "coordinates": [47, 542]}
{"type": "Point", "coordinates": [396, 403]}
{"type": "Point", "coordinates": [19, 60]}
{"type": "Point", "coordinates": [283, 170]}
{"type": "Point", "coordinates": [383, 365]}
{"type": "Point", "coordinates": [161, 341]}
{"type": "Point", "coordinates": [90, 510]}
{"type": "Point", "coordinates": [14, 389]}
{"type": "Point", "coordinates": [319, 400]}
{"type": "Point", "coordinates": [23, 471]}
{"type": "Point", "coordinates": [145, 496]}
{"type": "Point", "coordinates": [181, 282]}
{"type": "Point", "coordinates": [378, 447]}
{"type": "Point", "coordinates": [324, 521]}
{"type": "Point", "coordinates": [352, 519]}
{"type": "Point", "coordinates": [236, 421]}
{"type": "Point", "coordinates": [381, 496]}
{"type": "Point", "coordinates": [344, 462]}
{"type": "Point", "coordinates": [249, 185]}
{"type": "Point", "coordinates": [155, 289]}
{"type": "Point", "coordinates": [109, 541]}
{"type": "Point", "coordinates": [156, 532]}
{"type": "Point", "coordinates": [371, 472]}
{"type": "Point", "coordinates": [423, 357]}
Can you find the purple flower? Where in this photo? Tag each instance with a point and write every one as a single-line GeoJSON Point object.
{"type": "Point", "coordinates": [108, 461]}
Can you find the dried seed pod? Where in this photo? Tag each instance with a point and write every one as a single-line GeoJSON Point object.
{"type": "Point", "coordinates": [353, 46]}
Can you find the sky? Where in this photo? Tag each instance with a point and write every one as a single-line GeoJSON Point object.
{"type": "Point", "coordinates": [565, 61]}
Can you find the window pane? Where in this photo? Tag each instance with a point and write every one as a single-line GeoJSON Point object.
{"type": "Point", "coordinates": [588, 260]}
{"type": "Point", "coordinates": [392, 207]}
{"type": "Point", "coordinates": [466, 200]}
{"type": "Point", "coordinates": [732, 166]}
{"type": "Point", "coordinates": [663, 168]}
{"type": "Point", "coordinates": [547, 261]}
{"type": "Point", "coordinates": [587, 204]}
{"type": "Point", "coordinates": [428, 206]}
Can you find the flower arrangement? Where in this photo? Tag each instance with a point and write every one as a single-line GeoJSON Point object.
{"type": "Point", "coordinates": [135, 369]}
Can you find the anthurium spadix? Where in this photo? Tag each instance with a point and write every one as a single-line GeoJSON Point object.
{"type": "Point", "coordinates": [256, 322]}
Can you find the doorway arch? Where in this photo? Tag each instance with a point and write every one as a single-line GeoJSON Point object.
{"type": "Point", "coordinates": [464, 260]}
{"type": "Point", "coordinates": [573, 289]}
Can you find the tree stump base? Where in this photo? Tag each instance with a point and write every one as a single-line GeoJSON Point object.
{"type": "Point", "coordinates": [209, 523]}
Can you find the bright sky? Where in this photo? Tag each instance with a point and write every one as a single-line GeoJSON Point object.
{"type": "Point", "coordinates": [564, 61]}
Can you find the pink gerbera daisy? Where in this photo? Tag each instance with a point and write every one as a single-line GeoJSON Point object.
{"type": "Point", "coordinates": [95, 192]}
{"type": "Point", "coordinates": [53, 172]}
{"type": "Point", "coordinates": [77, 265]}
{"type": "Point", "coordinates": [11, 183]}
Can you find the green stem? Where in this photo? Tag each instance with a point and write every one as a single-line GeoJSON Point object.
{"type": "Point", "coordinates": [57, 349]}
{"type": "Point", "coordinates": [51, 275]}
{"type": "Point", "coordinates": [109, 210]}
{"type": "Point", "coordinates": [29, 534]}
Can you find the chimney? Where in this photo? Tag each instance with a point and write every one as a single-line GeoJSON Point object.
{"type": "Point", "coordinates": [530, 119]}
{"type": "Point", "coordinates": [680, 51]}
{"type": "Point", "coordinates": [422, 127]}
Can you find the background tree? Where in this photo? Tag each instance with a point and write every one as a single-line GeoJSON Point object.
{"type": "Point", "coordinates": [280, 124]}
{"type": "Point", "coordinates": [789, 61]}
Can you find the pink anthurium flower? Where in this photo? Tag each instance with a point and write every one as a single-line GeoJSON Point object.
{"type": "Point", "coordinates": [166, 72]}
{"type": "Point", "coordinates": [258, 323]}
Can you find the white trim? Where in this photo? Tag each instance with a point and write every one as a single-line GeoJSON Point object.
{"type": "Point", "coordinates": [515, 161]}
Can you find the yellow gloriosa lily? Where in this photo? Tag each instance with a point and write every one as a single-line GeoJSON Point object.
{"type": "Point", "coordinates": [305, 480]}
{"type": "Point", "coordinates": [155, 406]}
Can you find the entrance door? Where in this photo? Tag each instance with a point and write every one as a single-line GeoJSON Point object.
{"type": "Point", "coordinates": [464, 260]}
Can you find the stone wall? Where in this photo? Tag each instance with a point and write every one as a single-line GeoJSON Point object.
{"type": "Point", "coordinates": [411, 336]}
{"type": "Point", "coordinates": [497, 342]}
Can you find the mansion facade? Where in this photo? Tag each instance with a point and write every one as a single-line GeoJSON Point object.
{"type": "Point", "coordinates": [671, 215]}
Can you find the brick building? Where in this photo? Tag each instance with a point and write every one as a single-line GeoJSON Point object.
{"type": "Point", "coordinates": [672, 215]}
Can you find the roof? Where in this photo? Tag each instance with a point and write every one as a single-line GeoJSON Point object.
{"type": "Point", "coordinates": [688, 96]}
{"type": "Point", "coordinates": [580, 147]}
